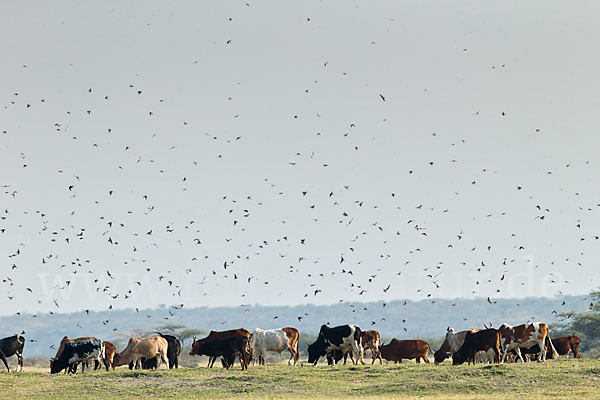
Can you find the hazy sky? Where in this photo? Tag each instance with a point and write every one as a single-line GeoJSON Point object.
{"type": "Point", "coordinates": [227, 153]}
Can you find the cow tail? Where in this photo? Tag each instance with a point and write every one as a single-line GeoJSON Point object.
{"type": "Point", "coordinates": [357, 333]}
{"type": "Point", "coordinates": [554, 352]}
{"type": "Point", "coordinates": [102, 354]}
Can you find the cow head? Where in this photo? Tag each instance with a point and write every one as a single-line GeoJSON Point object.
{"type": "Point", "coordinates": [440, 355]}
{"type": "Point", "coordinates": [192, 352]}
{"type": "Point", "coordinates": [459, 357]}
{"type": "Point", "coordinates": [198, 348]}
{"type": "Point", "coordinates": [316, 350]}
{"type": "Point", "coordinates": [54, 369]}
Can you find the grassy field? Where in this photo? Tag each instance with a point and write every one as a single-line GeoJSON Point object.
{"type": "Point", "coordinates": [555, 379]}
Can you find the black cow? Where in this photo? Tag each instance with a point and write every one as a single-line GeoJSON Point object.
{"type": "Point", "coordinates": [226, 347]}
{"type": "Point", "coordinates": [75, 352]}
{"type": "Point", "coordinates": [344, 337]}
{"type": "Point", "coordinates": [10, 346]}
{"type": "Point", "coordinates": [173, 350]}
{"type": "Point", "coordinates": [335, 356]}
{"type": "Point", "coordinates": [476, 341]}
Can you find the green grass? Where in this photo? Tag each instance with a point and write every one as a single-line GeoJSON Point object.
{"type": "Point", "coordinates": [554, 379]}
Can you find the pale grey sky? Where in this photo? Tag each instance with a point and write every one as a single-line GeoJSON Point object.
{"type": "Point", "coordinates": [403, 137]}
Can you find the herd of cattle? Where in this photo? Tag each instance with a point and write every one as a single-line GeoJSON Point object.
{"type": "Point", "coordinates": [507, 343]}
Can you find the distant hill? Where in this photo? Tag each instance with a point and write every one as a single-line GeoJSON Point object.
{"type": "Point", "coordinates": [401, 319]}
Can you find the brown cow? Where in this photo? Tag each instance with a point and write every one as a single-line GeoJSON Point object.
{"type": "Point", "coordinates": [222, 335]}
{"type": "Point", "coordinates": [370, 340]}
{"type": "Point", "coordinates": [109, 355]}
{"type": "Point", "coordinates": [396, 350]}
{"type": "Point", "coordinates": [566, 344]}
{"type": "Point", "coordinates": [142, 348]}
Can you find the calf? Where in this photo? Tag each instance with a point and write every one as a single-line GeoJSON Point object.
{"type": "Point", "coordinates": [396, 350]}
{"type": "Point", "coordinates": [475, 341]}
{"type": "Point", "coordinates": [525, 336]}
{"type": "Point", "coordinates": [74, 352]}
{"type": "Point", "coordinates": [109, 355]}
{"type": "Point", "coordinates": [343, 337]}
{"type": "Point", "coordinates": [226, 347]}
{"type": "Point", "coordinates": [371, 340]}
{"type": "Point", "coordinates": [10, 346]}
{"type": "Point", "coordinates": [566, 344]}
{"type": "Point", "coordinates": [485, 357]}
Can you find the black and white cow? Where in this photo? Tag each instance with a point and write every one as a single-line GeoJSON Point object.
{"type": "Point", "coordinates": [343, 337]}
{"type": "Point", "coordinates": [12, 345]}
{"type": "Point", "coordinates": [74, 352]}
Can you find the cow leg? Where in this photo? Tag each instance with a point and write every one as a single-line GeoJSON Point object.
{"type": "Point", "coordinates": [292, 355]}
{"type": "Point", "coordinates": [518, 350]}
{"type": "Point", "coordinates": [210, 358]}
{"type": "Point", "coordinates": [542, 356]}
{"type": "Point", "coordinates": [504, 354]}
{"type": "Point", "coordinates": [426, 359]}
{"type": "Point", "coordinates": [19, 362]}
{"type": "Point", "coordinates": [3, 358]}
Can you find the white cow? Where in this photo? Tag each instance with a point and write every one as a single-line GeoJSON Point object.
{"type": "Point", "coordinates": [525, 336]}
{"type": "Point", "coordinates": [275, 340]}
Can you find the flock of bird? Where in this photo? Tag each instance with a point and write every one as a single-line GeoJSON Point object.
{"type": "Point", "coordinates": [111, 198]}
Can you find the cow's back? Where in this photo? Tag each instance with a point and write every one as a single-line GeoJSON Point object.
{"type": "Point", "coordinates": [404, 349]}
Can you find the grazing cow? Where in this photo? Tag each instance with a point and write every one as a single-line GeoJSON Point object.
{"type": "Point", "coordinates": [343, 337]}
{"type": "Point", "coordinates": [475, 341]}
{"type": "Point", "coordinates": [142, 348]}
{"type": "Point", "coordinates": [371, 340]}
{"type": "Point", "coordinates": [10, 346]}
{"type": "Point", "coordinates": [566, 344]}
{"type": "Point", "coordinates": [451, 344]}
{"type": "Point", "coordinates": [72, 368]}
{"type": "Point", "coordinates": [226, 347]}
{"type": "Point", "coordinates": [173, 350]}
{"type": "Point", "coordinates": [396, 350]}
{"type": "Point", "coordinates": [531, 353]}
{"type": "Point", "coordinates": [275, 340]}
{"type": "Point", "coordinates": [525, 336]}
{"type": "Point", "coordinates": [74, 352]}
{"type": "Point", "coordinates": [222, 335]}
{"type": "Point", "coordinates": [337, 355]}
